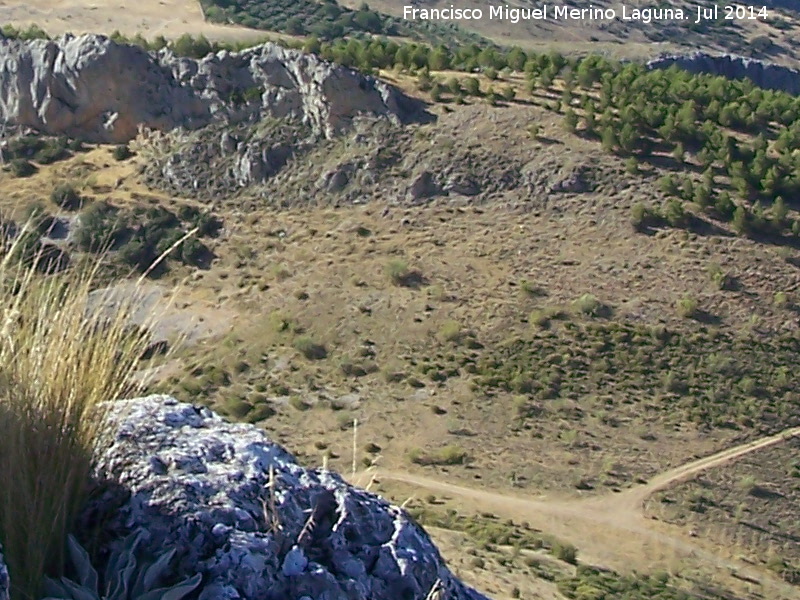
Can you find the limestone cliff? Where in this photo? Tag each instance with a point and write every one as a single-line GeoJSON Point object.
{"type": "Point", "coordinates": [765, 75]}
{"type": "Point", "coordinates": [95, 89]}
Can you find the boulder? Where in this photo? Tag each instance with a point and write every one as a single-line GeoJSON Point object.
{"type": "Point", "coordinates": [424, 186]}
{"type": "Point", "coordinates": [462, 184]}
{"type": "Point", "coordinates": [336, 179]}
{"type": "Point", "coordinates": [574, 183]}
{"type": "Point", "coordinates": [241, 511]}
{"type": "Point", "coordinates": [92, 88]}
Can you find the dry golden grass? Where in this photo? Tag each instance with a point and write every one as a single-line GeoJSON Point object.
{"type": "Point", "coordinates": [60, 364]}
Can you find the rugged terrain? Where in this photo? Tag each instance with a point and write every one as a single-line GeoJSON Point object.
{"type": "Point", "coordinates": [773, 37]}
{"type": "Point", "coordinates": [101, 91]}
{"type": "Point", "coordinates": [459, 308]}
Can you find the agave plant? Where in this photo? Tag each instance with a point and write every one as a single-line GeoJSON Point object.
{"type": "Point", "coordinates": [127, 578]}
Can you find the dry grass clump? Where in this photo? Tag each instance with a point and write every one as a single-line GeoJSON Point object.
{"type": "Point", "coordinates": [59, 363]}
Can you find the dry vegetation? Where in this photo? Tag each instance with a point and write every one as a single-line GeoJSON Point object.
{"type": "Point", "coordinates": [533, 342]}
{"type": "Point", "coordinates": [59, 367]}
{"type": "Point", "coordinates": [151, 18]}
{"type": "Point", "coordinates": [750, 506]}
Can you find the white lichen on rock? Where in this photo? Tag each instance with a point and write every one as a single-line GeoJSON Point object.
{"type": "Point", "coordinates": [202, 485]}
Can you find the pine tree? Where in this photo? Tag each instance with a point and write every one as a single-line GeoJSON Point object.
{"type": "Point", "coordinates": [740, 222]}
{"type": "Point", "coordinates": [608, 139]}
{"type": "Point", "coordinates": [779, 213]}
{"type": "Point", "coordinates": [570, 120]}
{"type": "Point", "coordinates": [472, 86]}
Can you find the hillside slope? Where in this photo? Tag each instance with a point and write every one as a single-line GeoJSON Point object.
{"type": "Point", "coordinates": [774, 38]}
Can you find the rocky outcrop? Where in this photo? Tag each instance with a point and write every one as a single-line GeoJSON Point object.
{"type": "Point", "coordinates": [92, 88]}
{"type": "Point", "coordinates": [765, 75]}
{"type": "Point", "coordinates": [203, 486]}
{"type": "Point", "coordinates": [5, 584]}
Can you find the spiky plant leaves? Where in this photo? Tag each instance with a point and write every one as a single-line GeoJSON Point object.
{"type": "Point", "coordinates": [54, 589]}
{"type": "Point", "coordinates": [128, 579]}
{"type": "Point", "coordinates": [152, 575]}
{"type": "Point", "coordinates": [121, 566]}
{"type": "Point", "coordinates": [176, 592]}
{"type": "Point", "coordinates": [77, 592]}
{"type": "Point", "coordinates": [87, 576]}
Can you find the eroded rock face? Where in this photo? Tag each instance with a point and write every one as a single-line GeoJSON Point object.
{"type": "Point", "coordinates": [92, 88]}
{"type": "Point", "coordinates": [5, 584]}
{"type": "Point", "coordinates": [765, 75]}
{"type": "Point", "coordinates": [202, 485]}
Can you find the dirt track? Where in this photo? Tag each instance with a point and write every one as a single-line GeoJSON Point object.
{"type": "Point", "coordinates": [611, 530]}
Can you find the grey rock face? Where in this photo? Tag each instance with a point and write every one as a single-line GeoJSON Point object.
{"type": "Point", "coordinates": [337, 179]}
{"type": "Point", "coordinates": [424, 186]}
{"type": "Point", "coordinates": [5, 584]}
{"type": "Point", "coordinates": [765, 75]}
{"type": "Point", "coordinates": [462, 184]}
{"type": "Point", "coordinates": [574, 183]}
{"type": "Point", "coordinates": [98, 90]}
{"type": "Point", "coordinates": [202, 485]}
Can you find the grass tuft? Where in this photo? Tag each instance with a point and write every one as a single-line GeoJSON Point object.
{"type": "Point", "coordinates": [59, 365]}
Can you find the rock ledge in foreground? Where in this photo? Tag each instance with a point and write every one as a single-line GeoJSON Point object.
{"type": "Point", "coordinates": [202, 485]}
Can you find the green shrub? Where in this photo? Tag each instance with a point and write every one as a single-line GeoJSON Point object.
{"type": "Point", "coordinates": [448, 455]}
{"type": "Point", "coordinates": [298, 403]}
{"type": "Point", "coordinates": [687, 306]}
{"type": "Point", "coordinates": [720, 279]}
{"type": "Point", "coordinates": [397, 270]}
{"type": "Point", "coordinates": [193, 251]}
{"type": "Point", "coordinates": [566, 552]}
{"type": "Point", "coordinates": [309, 348]}
{"type": "Point", "coordinates": [531, 289]}
{"type": "Point", "coordinates": [52, 151]}
{"type": "Point", "coordinates": [454, 86]}
{"type": "Point", "coordinates": [100, 227]}
{"type": "Point", "coordinates": [450, 331]}
{"type": "Point", "coordinates": [543, 317]}
{"type": "Point", "coordinates": [65, 196]}
{"type": "Point", "coordinates": [643, 217]}
{"type": "Point", "coordinates": [472, 86]}
{"type": "Point", "coordinates": [674, 213]}
{"type": "Point", "coordinates": [21, 167]}
{"type": "Point", "coordinates": [588, 304]}
{"type": "Point", "coordinates": [122, 152]}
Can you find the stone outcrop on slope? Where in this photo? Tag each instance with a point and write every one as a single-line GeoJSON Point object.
{"type": "Point", "coordinates": [97, 90]}
{"type": "Point", "coordinates": [765, 75]}
{"type": "Point", "coordinates": [202, 485]}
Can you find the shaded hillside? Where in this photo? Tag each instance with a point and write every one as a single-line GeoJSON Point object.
{"type": "Point", "coordinates": [774, 38]}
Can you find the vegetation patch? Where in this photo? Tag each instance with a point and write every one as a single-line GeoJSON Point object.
{"type": "Point", "coordinates": [707, 377]}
